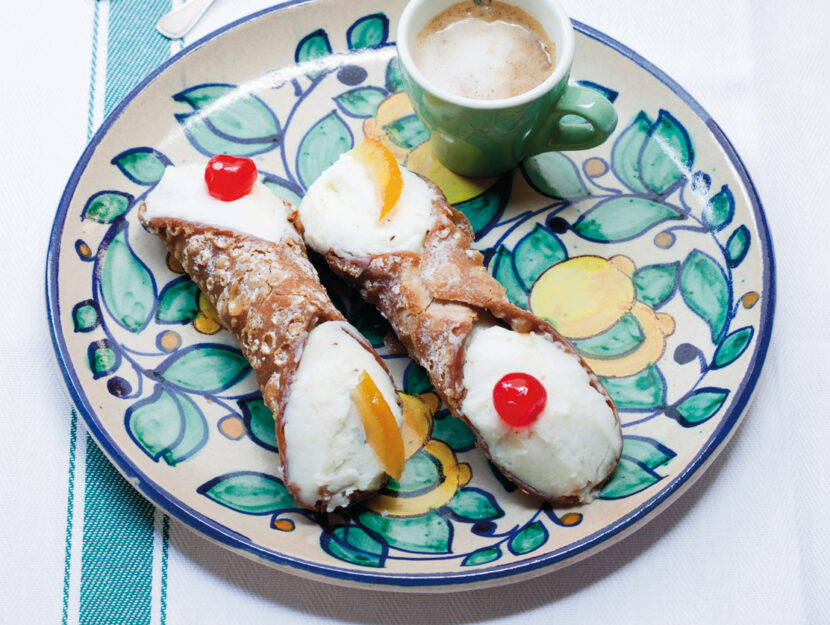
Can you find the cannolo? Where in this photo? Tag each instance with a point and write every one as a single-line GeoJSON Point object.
{"type": "Point", "coordinates": [539, 412]}
{"type": "Point", "coordinates": [336, 410]}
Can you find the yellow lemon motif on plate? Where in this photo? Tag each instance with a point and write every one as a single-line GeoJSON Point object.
{"type": "Point", "coordinates": [655, 328]}
{"type": "Point", "coordinates": [420, 158]}
{"type": "Point", "coordinates": [417, 420]}
{"type": "Point", "coordinates": [588, 296]}
{"type": "Point", "coordinates": [207, 320]}
{"type": "Point", "coordinates": [457, 188]}
{"type": "Point", "coordinates": [585, 295]}
{"type": "Point", "coordinates": [393, 108]}
{"type": "Point", "coordinates": [434, 455]}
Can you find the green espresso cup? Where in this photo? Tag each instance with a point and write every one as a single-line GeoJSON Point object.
{"type": "Point", "coordinates": [477, 137]}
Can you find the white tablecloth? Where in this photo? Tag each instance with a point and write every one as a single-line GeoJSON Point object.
{"type": "Point", "coordinates": [748, 543]}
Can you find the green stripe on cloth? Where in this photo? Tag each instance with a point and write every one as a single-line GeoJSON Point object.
{"type": "Point", "coordinates": [70, 505]}
{"type": "Point", "coordinates": [134, 46]}
{"type": "Point", "coordinates": [93, 71]}
{"type": "Point", "coordinates": [117, 553]}
{"type": "Point", "coordinates": [165, 543]}
{"type": "Point", "coordinates": [117, 556]}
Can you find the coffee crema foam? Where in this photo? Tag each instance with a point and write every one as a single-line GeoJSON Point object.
{"type": "Point", "coordinates": [486, 52]}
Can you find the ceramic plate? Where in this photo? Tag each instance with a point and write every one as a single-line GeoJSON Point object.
{"type": "Point", "coordinates": [658, 235]}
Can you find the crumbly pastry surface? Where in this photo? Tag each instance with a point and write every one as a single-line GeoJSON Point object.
{"type": "Point", "coordinates": [434, 298]}
{"type": "Point", "coordinates": [268, 295]}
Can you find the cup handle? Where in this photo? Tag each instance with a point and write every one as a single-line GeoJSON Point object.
{"type": "Point", "coordinates": [598, 119]}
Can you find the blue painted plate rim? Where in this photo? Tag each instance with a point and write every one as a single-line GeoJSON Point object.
{"type": "Point", "coordinates": [231, 539]}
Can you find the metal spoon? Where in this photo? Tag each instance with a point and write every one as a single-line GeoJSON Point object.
{"type": "Point", "coordinates": [178, 22]}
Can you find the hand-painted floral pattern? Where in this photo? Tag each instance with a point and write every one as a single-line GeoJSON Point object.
{"type": "Point", "coordinates": [629, 250]}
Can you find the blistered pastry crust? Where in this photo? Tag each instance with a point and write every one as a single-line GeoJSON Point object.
{"type": "Point", "coordinates": [268, 295]}
{"type": "Point", "coordinates": [432, 300]}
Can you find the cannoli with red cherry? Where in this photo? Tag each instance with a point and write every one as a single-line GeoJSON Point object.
{"type": "Point", "coordinates": [336, 409]}
{"type": "Point", "coordinates": [539, 412]}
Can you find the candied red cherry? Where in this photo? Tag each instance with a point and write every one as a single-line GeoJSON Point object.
{"type": "Point", "coordinates": [519, 399]}
{"type": "Point", "coordinates": [229, 178]}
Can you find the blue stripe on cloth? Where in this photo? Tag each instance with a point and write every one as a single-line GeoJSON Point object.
{"type": "Point", "coordinates": [117, 554]}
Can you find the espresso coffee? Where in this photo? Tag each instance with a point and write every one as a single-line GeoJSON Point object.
{"type": "Point", "coordinates": [485, 52]}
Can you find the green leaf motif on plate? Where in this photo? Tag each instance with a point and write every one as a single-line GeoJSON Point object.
{"type": "Point", "coordinates": [102, 358]}
{"type": "Point", "coordinates": [529, 538]}
{"type": "Point", "coordinates": [311, 48]}
{"type": "Point", "coordinates": [353, 544]}
{"type": "Point", "coordinates": [228, 120]}
{"type": "Point", "coordinates": [622, 218]}
{"type": "Point", "coordinates": [647, 451]}
{"type": "Point", "coordinates": [361, 102]}
{"type": "Point", "coordinates": [143, 166]}
{"type": "Point", "coordinates": [453, 431]}
{"type": "Point", "coordinates": [420, 473]}
{"type": "Point", "coordinates": [416, 380]}
{"type": "Point", "coordinates": [248, 492]}
{"type": "Point", "coordinates": [406, 132]}
{"type": "Point", "coordinates": [656, 283]}
{"type": "Point", "coordinates": [322, 146]}
{"type": "Point", "coordinates": [207, 367]}
{"type": "Point", "coordinates": [620, 339]}
{"type": "Point", "coordinates": [194, 434]}
{"type": "Point", "coordinates": [484, 209]}
{"type": "Point", "coordinates": [706, 292]}
{"type": "Point", "coordinates": [282, 189]}
{"type": "Point", "coordinates": [237, 115]}
{"type": "Point", "coordinates": [625, 156]}
{"type": "Point", "coordinates": [732, 347]}
{"type": "Point", "coordinates": [719, 209]}
{"type": "Point", "coordinates": [636, 471]}
{"type": "Point", "coordinates": [127, 286]}
{"type": "Point", "coordinates": [167, 425]}
{"type": "Point", "coordinates": [155, 423]}
{"type": "Point", "coordinates": [370, 31]}
{"type": "Point", "coordinates": [394, 80]}
{"type": "Point", "coordinates": [737, 246]}
{"type": "Point", "coordinates": [535, 253]}
{"type": "Point", "coordinates": [504, 272]}
{"type": "Point", "coordinates": [700, 406]}
{"type": "Point", "coordinates": [667, 154]}
{"type": "Point", "coordinates": [555, 175]}
{"type": "Point", "coordinates": [259, 421]}
{"type": "Point", "coordinates": [105, 206]}
{"type": "Point", "coordinates": [178, 301]}
{"type": "Point", "coordinates": [482, 556]}
{"type": "Point", "coordinates": [428, 533]}
{"type": "Point", "coordinates": [645, 390]}
{"type": "Point", "coordinates": [629, 479]}
{"type": "Point", "coordinates": [206, 141]}
{"type": "Point", "coordinates": [475, 504]}
{"type": "Point", "coordinates": [86, 316]}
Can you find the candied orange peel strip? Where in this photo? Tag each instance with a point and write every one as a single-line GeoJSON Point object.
{"type": "Point", "coordinates": [382, 431]}
{"type": "Point", "coordinates": [383, 170]}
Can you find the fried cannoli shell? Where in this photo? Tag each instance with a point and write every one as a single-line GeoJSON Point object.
{"type": "Point", "coordinates": [433, 299]}
{"type": "Point", "coordinates": [268, 296]}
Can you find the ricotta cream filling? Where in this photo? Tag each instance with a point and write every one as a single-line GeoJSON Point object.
{"type": "Point", "coordinates": [182, 194]}
{"type": "Point", "coordinates": [325, 442]}
{"type": "Point", "coordinates": [341, 208]}
{"type": "Point", "coordinates": [575, 441]}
